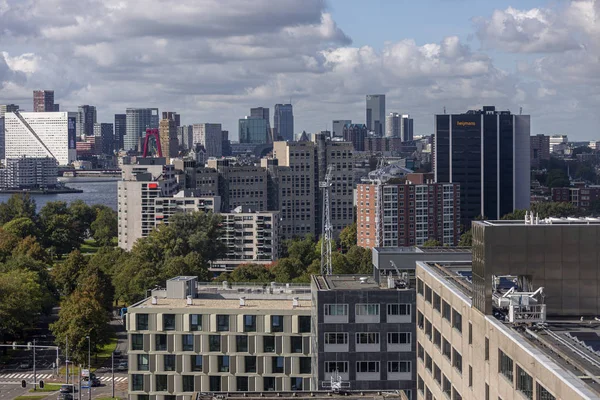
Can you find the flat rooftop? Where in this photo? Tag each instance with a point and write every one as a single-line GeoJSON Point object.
{"type": "Point", "coordinates": [418, 249]}
{"type": "Point", "coordinates": [353, 282]}
{"type": "Point", "coordinates": [313, 395]}
{"type": "Point", "coordinates": [219, 303]}
{"type": "Point", "coordinates": [545, 221]}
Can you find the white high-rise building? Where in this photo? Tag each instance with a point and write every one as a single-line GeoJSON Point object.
{"type": "Point", "coordinates": [211, 137]}
{"type": "Point", "coordinates": [41, 134]}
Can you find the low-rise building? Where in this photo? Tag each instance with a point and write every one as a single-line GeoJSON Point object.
{"type": "Point", "coordinates": [29, 173]}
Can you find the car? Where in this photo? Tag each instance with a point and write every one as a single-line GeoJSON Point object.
{"type": "Point", "coordinates": [25, 365]}
{"type": "Point", "coordinates": [117, 353]}
{"type": "Point", "coordinates": [65, 396]}
{"type": "Point", "coordinates": [122, 366]}
{"type": "Point", "coordinates": [95, 382]}
{"type": "Point", "coordinates": [66, 389]}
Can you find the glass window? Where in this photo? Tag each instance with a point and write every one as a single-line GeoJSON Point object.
{"type": "Point", "coordinates": [142, 361]}
{"type": "Point", "coordinates": [242, 383]}
{"type": "Point", "coordinates": [398, 309]}
{"type": "Point", "coordinates": [161, 342]}
{"type": "Point", "coordinates": [420, 286]}
{"type": "Point", "coordinates": [296, 383]}
{"type": "Point", "coordinates": [277, 365]}
{"type": "Point", "coordinates": [296, 344]}
{"type": "Point", "coordinates": [269, 383]}
{"type": "Point", "coordinates": [223, 363]}
{"type": "Point", "coordinates": [304, 323]}
{"type": "Point", "coordinates": [196, 363]}
{"type": "Point", "coordinates": [543, 393]}
{"type": "Point", "coordinates": [399, 366]}
{"type": "Point", "coordinates": [446, 348]}
{"type": "Point", "coordinates": [367, 338]}
{"type": "Point", "coordinates": [447, 386]}
{"type": "Point", "coordinates": [269, 344]}
{"type": "Point", "coordinates": [336, 338]}
{"type": "Point", "coordinates": [524, 383]}
{"type": "Point", "coordinates": [169, 360]}
{"type": "Point", "coordinates": [457, 360]}
{"type": "Point", "coordinates": [339, 366]}
{"type": "Point", "coordinates": [141, 322]}
{"type": "Point", "coordinates": [399, 337]}
{"type": "Point", "coordinates": [437, 302]}
{"type": "Point", "coordinates": [487, 349]}
{"type": "Point", "coordinates": [437, 338]}
{"type": "Point", "coordinates": [505, 365]}
{"type": "Point", "coordinates": [195, 322]}
{"type": "Point", "coordinates": [187, 342]}
{"type": "Point", "coordinates": [455, 394]}
{"type": "Point", "coordinates": [222, 323]}
{"type": "Point", "coordinates": [169, 322]}
{"type": "Point", "coordinates": [137, 341]}
{"type": "Point", "coordinates": [137, 382]}
{"type": "Point", "coordinates": [241, 343]}
{"type": "Point", "coordinates": [250, 363]}
{"type": "Point", "coordinates": [367, 309]}
{"type": "Point", "coordinates": [161, 383]}
{"type": "Point", "coordinates": [188, 383]}
{"type": "Point", "coordinates": [470, 333]}
{"type": "Point", "coordinates": [214, 343]}
{"type": "Point", "coordinates": [336, 309]}
{"type": "Point", "coordinates": [420, 352]}
{"type": "Point", "coordinates": [428, 293]}
{"type": "Point", "coordinates": [456, 320]}
{"type": "Point", "coordinates": [420, 319]}
{"type": "Point", "coordinates": [249, 323]}
{"type": "Point", "coordinates": [214, 383]}
{"type": "Point", "coordinates": [305, 365]}
{"type": "Point", "coordinates": [428, 362]}
{"type": "Point", "coordinates": [420, 384]}
{"type": "Point", "coordinates": [367, 366]}
{"type": "Point", "coordinates": [446, 311]}
{"type": "Point", "coordinates": [470, 376]}
{"type": "Point", "coordinates": [276, 323]}
{"type": "Point", "coordinates": [437, 374]}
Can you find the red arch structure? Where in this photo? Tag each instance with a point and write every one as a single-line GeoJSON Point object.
{"type": "Point", "coordinates": [152, 133]}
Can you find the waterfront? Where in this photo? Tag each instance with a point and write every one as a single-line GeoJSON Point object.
{"type": "Point", "coordinates": [95, 191]}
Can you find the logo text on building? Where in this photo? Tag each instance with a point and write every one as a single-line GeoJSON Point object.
{"type": "Point", "coordinates": [465, 123]}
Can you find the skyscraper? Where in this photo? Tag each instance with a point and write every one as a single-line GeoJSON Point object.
{"type": "Point", "coordinates": [2, 140]}
{"type": "Point", "coordinates": [137, 121]}
{"type": "Point", "coordinates": [392, 125]}
{"type": "Point", "coordinates": [262, 112]}
{"type": "Point", "coordinates": [168, 136]}
{"type": "Point", "coordinates": [487, 152]}
{"type": "Point", "coordinates": [283, 119]}
{"type": "Point", "coordinates": [120, 130]}
{"type": "Point", "coordinates": [86, 118]}
{"type": "Point", "coordinates": [406, 128]}
{"type": "Point", "coordinates": [337, 127]}
{"type": "Point", "coordinates": [253, 130]}
{"type": "Point", "coordinates": [211, 137]}
{"type": "Point", "coordinates": [4, 108]}
{"type": "Point", "coordinates": [355, 133]}
{"type": "Point", "coordinates": [172, 116]}
{"type": "Point", "coordinates": [104, 136]}
{"type": "Point", "coordinates": [376, 113]}
{"type": "Point", "coordinates": [43, 101]}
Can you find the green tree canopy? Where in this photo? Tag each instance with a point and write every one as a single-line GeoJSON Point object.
{"type": "Point", "coordinates": [21, 227]}
{"type": "Point", "coordinates": [347, 237]}
{"type": "Point", "coordinates": [557, 178]}
{"type": "Point", "coordinates": [303, 249]}
{"type": "Point", "coordinates": [431, 243]}
{"type": "Point", "coordinates": [466, 239]}
{"type": "Point", "coordinates": [105, 227]}
{"type": "Point", "coordinates": [18, 205]}
{"type": "Point", "coordinates": [67, 273]}
{"type": "Point", "coordinates": [62, 233]}
{"type": "Point", "coordinates": [248, 273]}
{"type": "Point", "coordinates": [21, 300]}
{"type": "Point", "coordinates": [287, 269]}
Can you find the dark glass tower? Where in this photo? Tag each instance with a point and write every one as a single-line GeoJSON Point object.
{"type": "Point", "coordinates": [283, 121]}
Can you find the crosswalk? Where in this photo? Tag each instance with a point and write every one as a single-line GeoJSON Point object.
{"type": "Point", "coordinates": [29, 376]}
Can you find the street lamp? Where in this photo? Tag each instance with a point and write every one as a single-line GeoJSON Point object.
{"type": "Point", "coordinates": [89, 348]}
{"type": "Point", "coordinates": [89, 368]}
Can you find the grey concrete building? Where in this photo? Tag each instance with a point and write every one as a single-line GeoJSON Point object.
{"type": "Point", "coordinates": [120, 131]}
{"type": "Point", "coordinates": [211, 137]}
{"type": "Point", "coordinates": [137, 121]}
{"type": "Point", "coordinates": [104, 133]}
{"type": "Point", "coordinates": [29, 173]}
{"type": "Point", "coordinates": [241, 185]}
{"type": "Point", "coordinates": [376, 114]}
{"type": "Point", "coordinates": [337, 127]}
{"type": "Point", "coordinates": [86, 119]}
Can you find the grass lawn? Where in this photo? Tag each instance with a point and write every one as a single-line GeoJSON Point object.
{"type": "Point", "coordinates": [31, 397]}
{"type": "Point", "coordinates": [89, 247]}
{"type": "Point", "coordinates": [48, 387]}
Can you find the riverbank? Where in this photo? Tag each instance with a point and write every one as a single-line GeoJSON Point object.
{"type": "Point", "coordinates": [64, 190]}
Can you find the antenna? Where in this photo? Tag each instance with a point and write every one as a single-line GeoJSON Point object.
{"type": "Point", "coordinates": [520, 110]}
{"type": "Point", "coordinates": [326, 237]}
{"type": "Point", "coordinates": [444, 109]}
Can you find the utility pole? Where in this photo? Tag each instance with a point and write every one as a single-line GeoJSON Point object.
{"type": "Point", "coordinates": [112, 370]}
{"type": "Point", "coordinates": [67, 360]}
{"type": "Point", "coordinates": [79, 382]}
{"type": "Point", "coordinates": [89, 369]}
{"type": "Point", "coordinates": [34, 374]}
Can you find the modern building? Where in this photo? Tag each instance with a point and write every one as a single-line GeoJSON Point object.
{"type": "Point", "coordinates": [120, 131]}
{"type": "Point", "coordinates": [29, 173]}
{"type": "Point", "coordinates": [185, 136]}
{"type": "Point", "coordinates": [86, 118]}
{"type": "Point", "coordinates": [6, 108]}
{"type": "Point", "coordinates": [211, 137]}
{"type": "Point", "coordinates": [41, 134]}
{"type": "Point", "coordinates": [364, 331]}
{"type": "Point", "coordinates": [172, 115]}
{"type": "Point", "coordinates": [337, 127]}
{"type": "Point", "coordinates": [406, 128]}
{"type": "Point", "coordinates": [558, 144]}
{"type": "Point", "coordinates": [409, 214]}
{"type": "Point", "coordinates": [392, 125]}
{"type": "Point", "coordinates": [43, 101]}
{"type": "Point", "coordinates": [283, 121]}
{"type": "Point", "coordinates": [2, 141]}
{"type": "Point", "coordinates": [167, 129]}
{"type": "Point", "coordinates": [104, 133]}
{"type": "Point", "coordinates": [487, 153]}
{"type": "Point", "coordinates": [540, 150]}
{"type": "Point", "coordinates": [376, 114]}
{"type": "Point", "coordinates": [356, 134]}
{"type": "Point", "coordinates": [137, 121]}
{"type": "Point", "coordinates": [239, 185]}
{"type": "Point", "coordinates": [263, 112]}
{"type": "Point", "coordinates": [517, 323]}
{"type": "Point", "coordinates": [254, 130]}
{"type": "Point", "coordinates": [194, 337]}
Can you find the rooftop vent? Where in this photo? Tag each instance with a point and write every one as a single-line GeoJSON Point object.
{"type": "Point", "coordinates": [363, 280]}
{"type": "Point", "coordinates": [295, 302]}
{"type": "Point", "coordinates": [242, 301]}
{"type": "Point", "coordinates": [189, 300]}
{"type": "Point", "coordinates": [154, 300]}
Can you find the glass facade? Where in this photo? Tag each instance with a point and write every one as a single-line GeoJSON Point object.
{"type": "Point", "coordinates": [253, 130]}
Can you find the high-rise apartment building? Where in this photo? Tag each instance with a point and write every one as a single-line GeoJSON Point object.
{"type": "Point", "coordinates": [86, 118]}
{"type": "Point", "coordinates": [259, 232]}
{"type": "Point", "coordinates": [6, 108]}
{"type": "Point", "coordinates": [41, 134]}
{"type": "Point", "coordinates": [355, 134]}
{"type": "Point", "coordinates": [487, 153]}
{"type": "Point", "coordinates": [263, 112]}
{"type": "Point", "coordinates": [392, 125]}
{"type": "Point", "coordinates": [240, 185]}
{"type": "Point", "coordinates": [337, 127]}
{"type": "Point", "coordinates": [540, 150]}
{"type": "Point", "coordinates": [137, 121]}
{"type": "Point", "coordinates": [283, 121]}
{"type": "Point", "coordinates": [104, 133]}
{"type": "Point", "coordinates": [120, 131]}
{"type": "Point", "coordinates": [376, 114]}
{"type": "Point", "coordinates": [43, 101]}
{"type": "Point", "coordinates": [254, 130]}
{"type": "Point", "coordinates": [2, 139]}
{"type": "Point", "coordinates": [168, 137]}
{"type": "Point", "coordinates": [29, 173]}
{"type": "Point", "coordinates": [211, 137]}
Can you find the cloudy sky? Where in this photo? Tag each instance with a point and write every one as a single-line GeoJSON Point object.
{"type": "Point", "coordinates": [211, 60]}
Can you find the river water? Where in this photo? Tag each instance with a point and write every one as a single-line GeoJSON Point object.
{"type": "Point", "coordinates": [95, 191]}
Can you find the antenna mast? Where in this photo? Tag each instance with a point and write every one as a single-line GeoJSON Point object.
{"type": "Point", "coordinates": [327, 234]}
{"type": "Point", "coordinates": [379, 201]}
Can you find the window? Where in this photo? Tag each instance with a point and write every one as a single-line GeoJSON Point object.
{"type": "Point", "coordinates": [269, 383]}
{"type": "Point", "coordinates": [214, 343]}
{"type": "Point", "coordinates": [437, 302]}
{"type": "Point", "coordinates": [456, 395]}
{"type": "Point", "coordinates": [296, 383]}
{"type": "Point", "coordinates": [398, 309]}
{"type": "Point", "coordinates": [437, 338]}
{"type": "Point", "coordinates": [446, 386]}
{"type": "Point", "coordinates": [188, 383]}
{"type": "Point", "coordinates": [428, 362]}
{"type": "Point", "coordinates": [143, 397]}
{"type": "Point", "coordinates": [187, 342]}
{"type": "Point", "coordinates": [242, 383]}
{"type": "Point", "coordinates": [367, 309]}
{"type": "Point", "coordinates": [142, 362]}
{"type": "Point", "coordinates": [249, 323]}
{"type": "Point", "coordinates": [367, 338]}
{"type": "Point", "coordinates": [470, 333]}
{"type": "Point", "coordinates": [277, 365]}
{"type": "Point", "coordinates": [277, 323]}
{"type": "Point", "coordinates": [339, 366]}
{"type": "Point", "coordinates": [168, 322]}
{"type": "Point", "coordinates": [141, 322]}
{"type": "Point", "coordinates": [304, 324]}
{"type": "Point", "coordinates": [543, 394]}
{"type": "Point", "coordinates": [428, 294]}
{"type": "Point", "coordinates": [470, 376]}
{"type": "Point", "coordinates": [420, 384]}
{"type": "Point", "coordinates": [296, 344]}
{"type": "Point", "coordinates": [161, 342]}
{"type": "Point", "coordinates": [137, 341]}
{"type": "Point", "coordinates": [269, 344]}
{"type": "Point", "coordinates": [214, 383]}
{"type": "Point", "coordinates": [428, 328]}
{"type": "Point", "coordinates": [487, 349]}
{"type": "Point", "coordinates": [420, 320]}
{"type": "Point", "coordinates": [161, 383]}
{"type": "Point", "coordinates": [336, 309]}
{"type": "Point", "coordinates": [487, 391]}
{"type": "Point", "coordinates": [241, 343]}
{"type": "Point", "coordinates": [505, 365]}
{"type": "Point", "coordinates": [420, 352]}
{"type": "Point", "coordinates": [169, 360]}
{"type": "Point", "coordinates": [222, 323]}
{"type": "Point", "coordinates": [399, 337]}
{"type": "Point", "coordinates": [336, 338]}
{"type": "Point", "coordinates": [250, 363]}
{"type": "Point", "coordinates": [457, 360]}
{"type": "Point", "coordinates": [419, 286]}
{"type": "Point", "coordinates": [446, 311]}
{"type": "Point", "coordinates": [524, 383]}
{"type": "Point", "coordinates": [223, 363]}
{"type": "Point", "coordinates": [437, 374]}
{"type": "Point", "coordinates": [398, 366]}
{"type": "Point", "coordinates": [456, 320]}
{"type": "Point", "coordinates": [196, 363]}
{"type": "Point", "coordinates": [367, 366]}
{"type": "Point", "coordinates": [137, 382]}
{"type": "Point", "coordinates": [305, 365]}
{"type": "Point", "coordinates": [195, 322]}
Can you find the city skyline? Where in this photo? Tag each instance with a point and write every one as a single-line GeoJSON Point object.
{"type": "Point", "coordinates": [539, 56]}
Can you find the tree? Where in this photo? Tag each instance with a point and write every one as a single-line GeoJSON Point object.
{"type": "Point", "coordinates": [65, 274]}
{"type": "Point", "coordinates": [348, 237]}
{"type": "Point", "coordinates": [431, 243]}
{"type": "Point", "coordinates": [303, 250]}
{"type": "Point", "coordinates": [557, 178]}
{"type": "Point", "coordinates": [61, 232]}
{"type": "Point", "coordinates": [30, 247]}
{"type": "Point", "coordinates": [83, 216]}
{"type": "Point", "coordinates": [21, 300]}
{"type": "Point", "coordinates": [581, 150]}
{"type": "Point", "coordinates": [466, 239]}
{"type": "Point", "coordinates": [586, 172]}
{"type": "Point", "coordinates": [360, 260]}
{"type": "Point", "coordinates": [21, 227]}
{"type": "Point", "coordinates": [8, 241]}
{"type": "Point", "coordinates": [107, 259]}
{"type": "Point", "coordinates": [18, 205]}
{"type": "Point", "coordinates": [554, 209]}
{"type": "Point", "coordinates": [105, 227]}
{"type": "Point", "coordinates": [515, 215]}
{"type": "Point", "coordinates": [23, 262]}
{"type": "Point", "coordinates": [191, 264]}
{"type": "Point", "coordinates": [287, 269]}
{"type": "Point", "coordinates": [93, 280]}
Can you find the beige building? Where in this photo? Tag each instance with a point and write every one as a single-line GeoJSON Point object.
{"type": "Point", "coordinates": [169, 144]}
{"type": "Point", "coordinates": [241, 185]}
{"type": "Point", "coordinates": [195, 337]}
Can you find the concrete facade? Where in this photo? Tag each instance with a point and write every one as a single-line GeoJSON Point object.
{"type": "Point", "coordinates": [210, 136]}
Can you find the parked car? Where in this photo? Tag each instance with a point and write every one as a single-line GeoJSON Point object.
{"type": "Point", "coordinates": [122, 366]}
{"type": "Point", "coordinates": [66, 389]}
{"type": "Point", "coordinates": [95, 382]}
{"type": "Point", "coordinates": [117, 353]}
{"type": "Point", "coordinates": [65, 396]}
{"type": "Point", "coordinates": [25, 365]}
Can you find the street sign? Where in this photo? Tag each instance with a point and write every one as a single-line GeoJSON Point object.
{"type": "Point", "coordinates": [85, 373]}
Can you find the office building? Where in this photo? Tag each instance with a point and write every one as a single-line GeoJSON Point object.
{"type": "Point", "coordinates": [194, 338]}
{"type": "Point", "coordinates": [6, 108]}
{"type": "Point", "coordinates": [86, 118]}
{"type": "Point", "coordinates": [355, 134]}
{"type": "Point", "coordinates": [517, 323]}
{"type": "Point", "coordinates": [211, 137]}
{"type": "Point", "coordinates": [406, 128]}
{"type": "Point", "coordinates": [41, 134]}
{"type": "Point", "coordinates": [487, 153]}
{"type": "Point", "coordinates": [253, 130]}
{"type": "Point", "coordinates": [172, 116]}
{"type": "Point", "coordinates": [283, 121]}
{"type": "Point", "coordinates": [251, 236]}
{"type": "Point", "coordinates": [337, 127]}
{"type": "Point", "coordinates": [29, 173]}
{"type": "Point", "coordinates": [2, 144]}
{"type": "Point", "coordinates": [540, 150]}
{"type": "Point", "coordinates": [43, 101]}
{"type": "Point", "coordinates": [240, 185]}
{"type": "Point", "coordinates": [120, 131]}
{"type": "Point", "coordinates": [409, 214]}
{"type": "Point", "coordinates": [392, 125]}
{"type": "Point", "coordinates": [365, 331]}
{"type": "Point", "coordinates": [558, 144]}
{"type": "Point", "coordinates": [263, 112]}
{"type": "Point", "coordinates": [168, 136]}
{"type": "Point", "coordinates": [186, 137]}
{"type": "Point", "coordinates": [137, 121]}
{"type": "Point", "coordinates": [376, 114]}
{"type": "Point", "coordinates": [105, 138]}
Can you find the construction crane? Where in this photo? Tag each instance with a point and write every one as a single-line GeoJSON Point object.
{"type": "Point", "coordinates": [327, 232]}
{"type": "Point", "coordinates": [378, 201]}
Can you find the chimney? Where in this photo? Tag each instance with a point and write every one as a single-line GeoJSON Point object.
{"type": "Point", "coordinates": [295, 302]}
{"type": "Point", "coordinates": [189, 300]}
{"type": "Point", "coordinates": [242, 301]}
{"type": "Point", "coordinates": [154, 300]}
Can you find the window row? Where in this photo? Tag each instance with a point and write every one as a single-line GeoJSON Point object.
{"type": "Point", "coordinates": [368, 338]}
{"type": "Point", "coordinates": [190, 384]}
{"type": "Point", "coordinates": [523, 382]}
{"type": "Point", "coordinates": [367, 366]}
{"type": "Point", "coordinates": [448, 313]}
{"type": "Point", "coordinates": [367, 309]}
{"type": "Point", "coordinates": [453, 356]}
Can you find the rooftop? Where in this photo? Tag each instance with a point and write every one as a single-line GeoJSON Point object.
{"type": "Point", "coordinates": [417, 249]}
{"type": "Point", "coordinates": [544, 221]}
{"type": "Point", "coordinates": [316, 395]}
{"type": "Point", "coordinates": [221, 303]}
{"type": "Point", "coordinates": [351, 282]}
